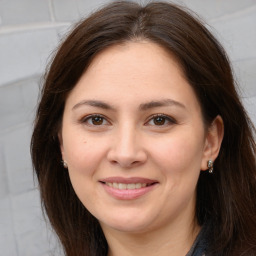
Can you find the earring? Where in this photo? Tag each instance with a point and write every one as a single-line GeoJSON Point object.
{"type": "Point", "coordinates": [65, 164]}
{"type": "Point", "coordinates": [210, 166]}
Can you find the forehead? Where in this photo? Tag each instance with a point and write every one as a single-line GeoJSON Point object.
{"type": "Point", "coordinates": [138, 70]}
{"type": "Point", "coordinates": [134, 57]}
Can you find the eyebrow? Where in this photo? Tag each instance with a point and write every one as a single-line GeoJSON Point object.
{"type": "Point", "coordinates": [143, 107]}
{"type": "Point", "coordinates": [161, 103]}
{"type": "Point", "coordinates": [94, 103]}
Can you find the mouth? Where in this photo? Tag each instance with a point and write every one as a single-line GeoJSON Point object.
{"type": "Point", "coordinates": [123, 186]}
{"type": "Point", "coordinates": [128, 188]}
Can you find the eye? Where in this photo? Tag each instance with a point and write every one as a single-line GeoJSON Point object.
{"type": "Point", "coordinates": [95, 120]}
{"type": "Point", "coordinates": [161, 120]}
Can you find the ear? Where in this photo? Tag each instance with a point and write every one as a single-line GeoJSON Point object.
{"type": "Point", "coordinates": [61, 144]}
{"type": "Point", "coordinates": [213, 141]}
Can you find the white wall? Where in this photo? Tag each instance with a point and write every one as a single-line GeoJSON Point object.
{"type": "Point", "coordinates": [29, 31]}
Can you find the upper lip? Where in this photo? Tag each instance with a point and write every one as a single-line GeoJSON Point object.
{"type": "Point", "coordinates": [130, 180]}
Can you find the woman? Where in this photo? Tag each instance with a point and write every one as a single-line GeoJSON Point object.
{"type": "Point", "coordinates": [141, 144]}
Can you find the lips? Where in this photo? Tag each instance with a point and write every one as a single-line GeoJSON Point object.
{"type": "Point", "coordinates": [127, 188]}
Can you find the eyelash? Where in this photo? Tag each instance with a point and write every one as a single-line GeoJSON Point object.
{"type": "Point", "coordinates": [87, 118]}
{"type": "Point", "coordinates": [165, 118]}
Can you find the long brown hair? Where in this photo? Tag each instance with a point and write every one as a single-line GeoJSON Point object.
{"type": "Point", "coordinates": [227, 198]}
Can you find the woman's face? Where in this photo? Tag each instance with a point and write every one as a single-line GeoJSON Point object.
{"type": "Point", "coordinates": [134, 139]}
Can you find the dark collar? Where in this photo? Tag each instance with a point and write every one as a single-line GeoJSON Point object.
{"type": "Point", "coordinates": [200, 244]}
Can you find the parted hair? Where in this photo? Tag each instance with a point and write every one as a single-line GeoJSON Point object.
{"type": "Point", "coordinates": [227, 197]}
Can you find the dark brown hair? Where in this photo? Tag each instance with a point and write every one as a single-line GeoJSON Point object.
{"type": "Point", "coordinates": [227, 198]}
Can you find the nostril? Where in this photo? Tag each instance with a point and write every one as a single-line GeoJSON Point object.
{"type": "Point", "coordinates": [126, 156]}
{"type": "Point", "coordinates": [125, 164]}
{"type": "Point", "coordinates": [113, 162]}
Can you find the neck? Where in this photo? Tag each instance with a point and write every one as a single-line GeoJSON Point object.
{"type": "Point", "coordinates": [174, 240]}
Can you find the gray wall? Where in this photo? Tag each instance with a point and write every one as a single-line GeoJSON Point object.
{"type": "Point", "coordinates": [29, 31]}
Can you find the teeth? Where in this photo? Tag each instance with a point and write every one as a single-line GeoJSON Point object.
{"type": "Point", "coordinates": [122, 186]}
{"type": "Point", "coordinates": [138, 185]}
{"type": "Point", "coordinates": [131, 186]}
{"type": "Point", "coordinates": [110, 184]}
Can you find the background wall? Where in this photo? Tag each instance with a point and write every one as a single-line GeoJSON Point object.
{"type": "Point", "coordinates": [29, 32]}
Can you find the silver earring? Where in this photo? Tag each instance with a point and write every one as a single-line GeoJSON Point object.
{"type": "Point", "coordinates": [65, 164]}
{"type": "Point", "coordinates": [210, 166]}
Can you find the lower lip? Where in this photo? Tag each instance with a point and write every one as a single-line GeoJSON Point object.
{"type": "Point", "coordinates": [128, 194]}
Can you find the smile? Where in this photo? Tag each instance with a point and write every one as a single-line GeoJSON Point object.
{"type": "Point", "coordinates": [126, 186]}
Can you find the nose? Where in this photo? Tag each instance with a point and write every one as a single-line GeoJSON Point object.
{"type": "Point", "coordinates": [127, 149]}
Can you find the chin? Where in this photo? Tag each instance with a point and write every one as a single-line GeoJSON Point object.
{"type": "Point", "coordinates": [127, 228]}
{"type": "Point", "coordinates": [129, 224]}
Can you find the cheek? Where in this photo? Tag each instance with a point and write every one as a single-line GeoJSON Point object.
{"type": "Point", "coordinates": [178, 154]}
{"type": "Point", "coordinates": [84, 158]}
{"type": "Point", "coordinates": [83, 155]}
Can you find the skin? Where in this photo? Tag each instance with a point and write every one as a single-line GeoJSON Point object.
{"type": "Point", "coordinates": [128, 140]}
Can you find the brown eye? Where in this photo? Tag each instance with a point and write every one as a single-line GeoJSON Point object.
{"type": "Point", "coordinates": [159, 120]}
{"type": "Point", "coordinates": [97, 120]}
